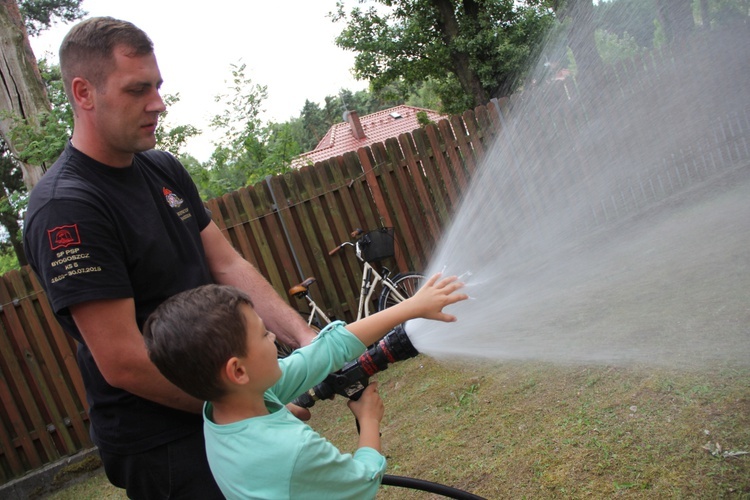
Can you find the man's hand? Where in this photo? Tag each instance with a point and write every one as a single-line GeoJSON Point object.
{"type": "Point", "coordinates": [299, 412]}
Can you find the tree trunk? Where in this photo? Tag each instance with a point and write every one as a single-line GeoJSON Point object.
{"type": "Point", "coordinates": [705, 17]}
{"type": "Point", "coordinates": [22, 91]}
{"type": "Point", "coordinates": [581, 39]}
{"type": "Point", "coordinates": [448, 27]}
{"type": "Point", "coordinates": [676, 17]}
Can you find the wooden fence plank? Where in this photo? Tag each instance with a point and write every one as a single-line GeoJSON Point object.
{"type": "Point", "coordinates": [28, 371]}
{"type": "Point", "coordinates": [448, 172]}
{"type": "Point", "coordinates": [474, 135]}
{"type": "Point", "coordinates": [402, 209]}
{"type": "Point", "coordinates": [453, 152]}
{"type": "Point", "coordinates": [17, 445]}
{"type": "Point", "coordinates": [441, 188]}
{"type": "Point", "coordinates": [310, 216]}
{"type": "Point", "coordinates": [429, 194]}
{"type": "Point", "coordinates": [65, 344]}
{"type": "Point", "coordinates": [59, 398]}
{"type": "Point", "coordinates": [464, 145]}
{"type": "Point", "coordinates": [235, 226]}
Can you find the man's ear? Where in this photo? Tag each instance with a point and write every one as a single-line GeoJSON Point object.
{"type": "Point", "coordinates": [83, 92]}
{"type": "Point", "coordinates": [236, 372]}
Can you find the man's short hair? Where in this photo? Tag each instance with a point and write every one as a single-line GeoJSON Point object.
{"type": "Point", "coordinates": [87, 49]}
{"type": "Point", "coordinates": [191, 335]}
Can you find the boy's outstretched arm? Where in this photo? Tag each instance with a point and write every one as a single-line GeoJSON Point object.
{"type": "Point", "coordinates": [427, 303]}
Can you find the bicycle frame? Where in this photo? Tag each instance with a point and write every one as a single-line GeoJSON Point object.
{"type": "Point", "coordinates": [370, 280]}
{"type": "Point", "coordinates": [315, 310]}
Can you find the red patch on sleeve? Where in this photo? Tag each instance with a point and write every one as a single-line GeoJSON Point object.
{"type": "Point", "coordinates": [63, 236]}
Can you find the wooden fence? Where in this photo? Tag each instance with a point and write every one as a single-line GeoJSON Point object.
{"type": "Point", "coordinates": [287, 224]}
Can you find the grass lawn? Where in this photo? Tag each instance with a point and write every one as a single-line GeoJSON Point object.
{"type": "Point", "coordinates": [532, 430]}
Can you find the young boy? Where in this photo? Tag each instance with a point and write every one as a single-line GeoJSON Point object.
{"type": "Point", "coordinates": [210, 343]}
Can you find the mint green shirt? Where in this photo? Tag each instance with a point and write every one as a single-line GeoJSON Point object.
{"type": "Point", "coordinates": [278, 456]}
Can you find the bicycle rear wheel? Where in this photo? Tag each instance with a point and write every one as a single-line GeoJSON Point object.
{"type": "Point", "coordinates": [406, 284]}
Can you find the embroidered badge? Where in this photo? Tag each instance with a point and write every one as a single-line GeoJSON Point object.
{"type": "Point", "coordinates": [173, 200]}
{"type": "Point", "coordinates": [63, 236]}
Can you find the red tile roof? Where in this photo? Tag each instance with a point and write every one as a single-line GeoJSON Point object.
{"type": "Point", "coordinates": [377, 127]}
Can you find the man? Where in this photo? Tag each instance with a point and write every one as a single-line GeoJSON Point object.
{"type": "Point", "coordinates": [112, 230]}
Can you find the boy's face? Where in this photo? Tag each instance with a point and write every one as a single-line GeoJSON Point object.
{"type": "Point", "coordinates": [261, 361]}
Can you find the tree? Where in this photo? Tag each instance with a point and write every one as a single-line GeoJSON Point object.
{"type": "Point", "coordinates": [12, 204]}
{"type": "Point", "coordinates": [250, 150]}
{"type": "Point", "coordinates": [173, 138]}
{"type": "Point", "coordinates": [39, 15]}
{"type": "Point", "coordinates": [472, 50]}
{"type": "Point", "coordinates": [577, 17]}
{"type": "Point", "coordinates": [676, 18]}
{"type": "Point", "coordinates": [23, 95]}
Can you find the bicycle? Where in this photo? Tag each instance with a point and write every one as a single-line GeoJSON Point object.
{"type": "Point", "coordinates": [370, 247]}
{"type": "Point", "coordinates": [301, 291]}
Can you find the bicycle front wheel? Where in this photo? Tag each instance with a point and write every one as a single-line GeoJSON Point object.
{"type": "Point", "coordinates": [404, 286]}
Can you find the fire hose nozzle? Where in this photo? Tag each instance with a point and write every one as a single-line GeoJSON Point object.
{"type": "Point", "coordinates": [352, 379]}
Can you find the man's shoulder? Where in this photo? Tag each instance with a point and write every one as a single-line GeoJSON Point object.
{"type": "Point", "coordinates": [66, 172]}
{"type": "Point", "coordinates": [159, 158]}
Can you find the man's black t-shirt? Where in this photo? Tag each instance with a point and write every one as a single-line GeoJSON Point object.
{"type": "Point", "coordinates": [95, 232]}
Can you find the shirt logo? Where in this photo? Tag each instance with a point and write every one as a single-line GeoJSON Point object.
{"type": "Point", "coordinates": [63, 236]}
{"type": "Point", "coordinates": [173, 200]}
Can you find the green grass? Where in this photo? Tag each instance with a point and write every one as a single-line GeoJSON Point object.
{"type": "Point", "coordinates": [533, 430]}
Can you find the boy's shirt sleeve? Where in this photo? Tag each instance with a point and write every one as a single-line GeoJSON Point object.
{"type": "Point", "coordinates": [322, 471]}
{"type": "Point", "coordinates": [308, 366]}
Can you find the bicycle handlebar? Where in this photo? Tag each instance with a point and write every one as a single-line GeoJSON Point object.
{"type": "Point", "coordinates": [348, 243]}
{"type": "Point", "coordinates": [354, 234]}
{"type": "Point", "coordinates": [335, 250]}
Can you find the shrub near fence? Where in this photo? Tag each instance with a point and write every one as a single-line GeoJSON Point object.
{"type": "Point", "coordinates": [285, 226]}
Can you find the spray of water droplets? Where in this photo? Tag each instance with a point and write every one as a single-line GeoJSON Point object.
{"type": "Point", "coordinates": [626, 239]}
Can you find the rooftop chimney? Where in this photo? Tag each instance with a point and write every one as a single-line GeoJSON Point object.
{"type": "Point", "coordinates": [352, 118]}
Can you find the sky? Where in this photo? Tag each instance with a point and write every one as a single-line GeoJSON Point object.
{"type": "Point", "coordinates": [286, 45]}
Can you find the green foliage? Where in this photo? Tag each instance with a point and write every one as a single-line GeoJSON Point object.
{"type": "Point", "coordinates": [8, 260]}
{"type": "Point", "coordinates": [633, 19]}
{"type": "Point", "coordinates": [13, 201]}
{"type": "Point", "coordinates": [613, 48]}
{"type": "Point", "coordinates": [250, 150]}
{"type": "Point", "coordinates": [39, 15]}
{"type": "Point", "coordinates": [423, 119]}
{"type": "Point", "coordinates": [727, 12]}
{"type": "Point", "coordinates": [487, 43]}
{"type": "Point", "coordinates": [173, 139]}
{"type": "Point", "coordinates": [660, 38]}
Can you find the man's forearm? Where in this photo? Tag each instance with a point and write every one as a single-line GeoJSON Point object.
{"type": "Point", "coordinates": [229, 268]}
{"type": "Point", "coordinates": [150, 384]}
{"type": "Point", "coordinates": [278, 316]}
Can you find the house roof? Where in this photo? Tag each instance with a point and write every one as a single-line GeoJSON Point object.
{"type": "Point", "coordinates": [377, 127]}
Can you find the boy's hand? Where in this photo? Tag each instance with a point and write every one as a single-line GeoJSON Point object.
{"type": "Point", "coordinates": [369, 406]}
{"type": "Point", "coordinates": [434, 295]}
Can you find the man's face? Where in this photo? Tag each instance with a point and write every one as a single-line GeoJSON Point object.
{"type": "Point", "coordinates": [128, 104]}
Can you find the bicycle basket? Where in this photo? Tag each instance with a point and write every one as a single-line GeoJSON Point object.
{"type": "Point", "coordinates": [376, 245]}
